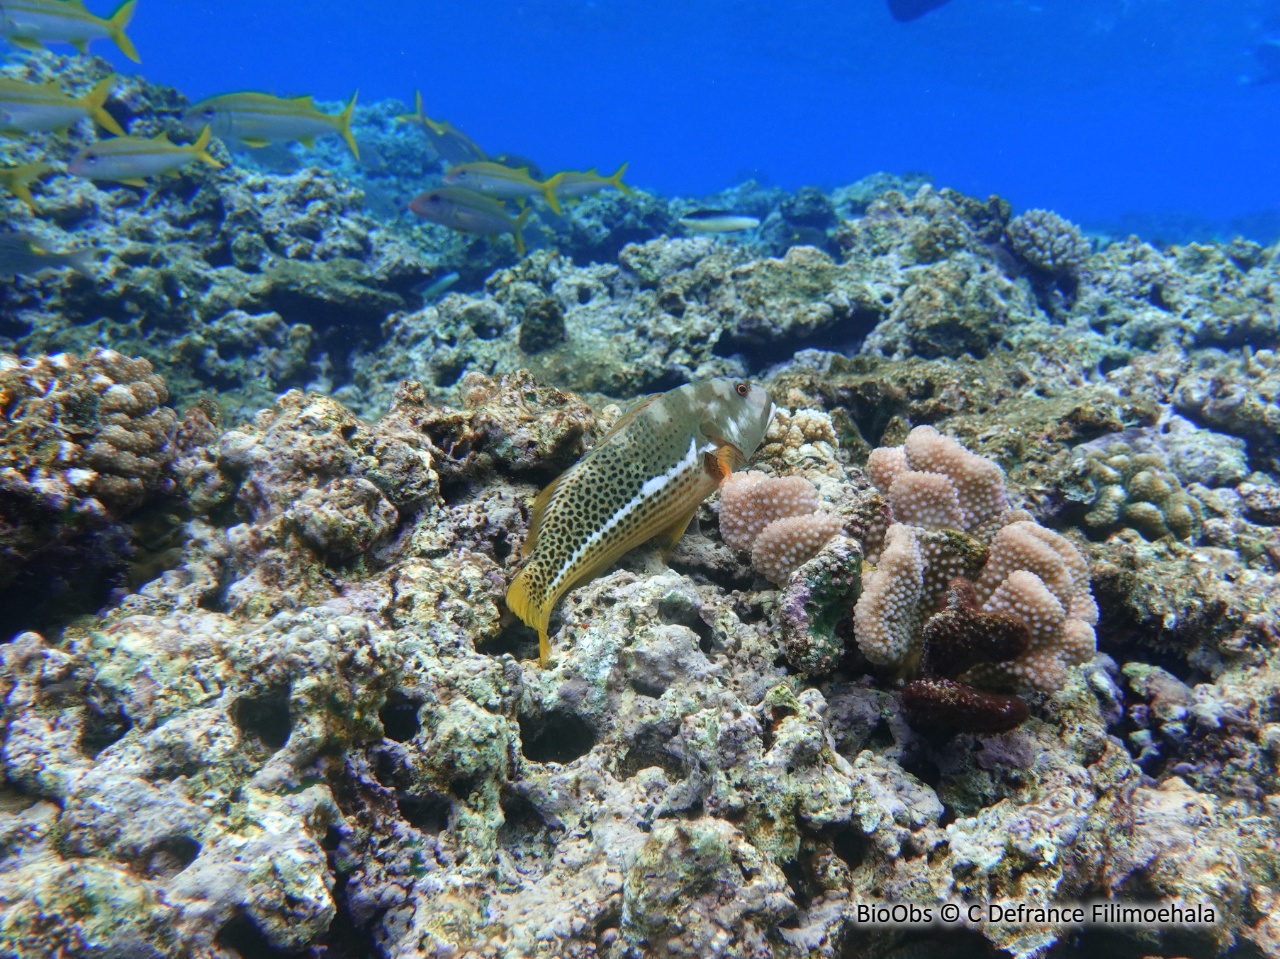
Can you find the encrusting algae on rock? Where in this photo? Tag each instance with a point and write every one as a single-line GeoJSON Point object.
{"type": "Point", "coordinates": [645, 478]}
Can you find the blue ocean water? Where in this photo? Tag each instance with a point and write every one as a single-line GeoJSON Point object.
{"type": "Point", "coordinates": [1113, 112]}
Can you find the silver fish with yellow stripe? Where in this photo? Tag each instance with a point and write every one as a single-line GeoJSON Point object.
{"type": "Point", "coordinates": [259, 119]}
{"type": "Point", "coordinates": [645, 478]}
{"type": "Point", "coordinates": [37, 107]}
{"type": "Point", "coordinates": [31, 24]}
{"type": "Point", "coordinates": [131, 160]}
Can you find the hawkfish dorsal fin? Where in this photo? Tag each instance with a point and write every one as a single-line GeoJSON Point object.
{"type": "Point", "coordinates": [538, 510]}
{"type": "Point", "coordinates": [641, 405]}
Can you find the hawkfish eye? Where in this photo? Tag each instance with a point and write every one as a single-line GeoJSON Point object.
{"type": "Point", "coordinates": [742, 389]}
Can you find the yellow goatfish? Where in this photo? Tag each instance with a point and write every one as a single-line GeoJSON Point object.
{"type": "Point", "coordinates": [469, 212]}
{"type": "Point", "coordinates": [452, 145]}
{"type": "Point", "coordinates": [257, 119]}
{"type": "Point", "coordinates": [18, 179]}
{"type": "Point", "coordinates": [31, 24]}
{"type": "Point", "coordinates": [644, 478]}
{"type": "Point", "coordinates": [502, 182]}
{"type": "Point", "coordinates": [22, 253]}
{"type": "Point", "coordinates": [571, 184]}
{"type": "Point", "coordinates": [131, 160]}
{"type": "Point", "coordinates": [40, 107]}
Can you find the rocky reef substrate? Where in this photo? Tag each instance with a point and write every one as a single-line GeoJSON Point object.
{"type": "Point", "coordinates": [286, 497]}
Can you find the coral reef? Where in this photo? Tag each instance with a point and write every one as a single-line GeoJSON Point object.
{"type": "Point", "coordinates": [777, 519]}
{"type": "Point", "coordinates": [816, 606]}
{"type": "Point", "coordinates": [1137, 490]}
{"type": "Point", "coordinates": [303, 738]}
{"type": "Point", "coordinates": [1048, 242]}
{"type": "Point", "coordinates": [300, 718]}
{"type": "Point", "coordinates": [947, 508]}
{"type": "Point", "coordinates": [85, 442]}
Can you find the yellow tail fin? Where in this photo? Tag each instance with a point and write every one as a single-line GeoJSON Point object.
{"type": "Point", "coordinates": [416, 116]}
{"type": "Point", "coordinates": [115, 26]}
{"type": "Point", "coordinates": [518, 226]}
{"type": "Point", "coordinates": [344, 125]}
{"type": "Point", "coordinates": [549, 192]}
{"type": "Point", "coordinates": [93, 105]}
{"type": "Point", "coordinates": [531, 614]}
{"type": "Point", "coordinates": [616, 180]}
{"type": "Point", "coordinates": [17, 180]}
{"type": "Point", "coordinates": [200, 149]}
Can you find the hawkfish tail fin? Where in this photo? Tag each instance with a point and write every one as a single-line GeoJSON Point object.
{"type": "Point", "coordinates": [200, 149]}
{"type": "Point", "coordinates": [94, 104]}
{"type": "Point", "coordinates": [548, 188]}
{"type": "Point", "coordinates": [616, 180]}
{"type": "Point", "coordinates": [344, 124]}
{"type": "Point", "coordinates": [532, 613]}
{"type": "Point", "coordinates": [116, 24]}
{"type": "Point", "coordinates": [517, 229]}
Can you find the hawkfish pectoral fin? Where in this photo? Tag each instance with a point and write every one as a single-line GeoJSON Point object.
{"type": "Point", "coordinates": [26, 43]}
{"type": "Point", "coordinates": [723, 458]}
{"type": "Point", "coordinates": [669, 537]}
{"type": "Point", "coordinates": [133, 181]}
{"type": "Point", "coordinates": [256, 142]}
{"type": "Point", "coordinates": [308, 142]}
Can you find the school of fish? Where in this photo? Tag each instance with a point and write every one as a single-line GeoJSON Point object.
{"type": "Point", "coordinates": [643, 479]}
{"type": "Point", "coordinates": [480, 193]}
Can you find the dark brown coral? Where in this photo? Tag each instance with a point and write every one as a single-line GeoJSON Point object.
{"type": "Point", "coordinates": [960, 636]}
{"type": "Point", "coordinates": [963, 634]}
{"type": "Point", "coordinates": [948, 704]}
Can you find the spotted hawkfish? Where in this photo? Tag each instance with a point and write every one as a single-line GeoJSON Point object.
{"type": "Point", "coordinates": [644, 478]}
